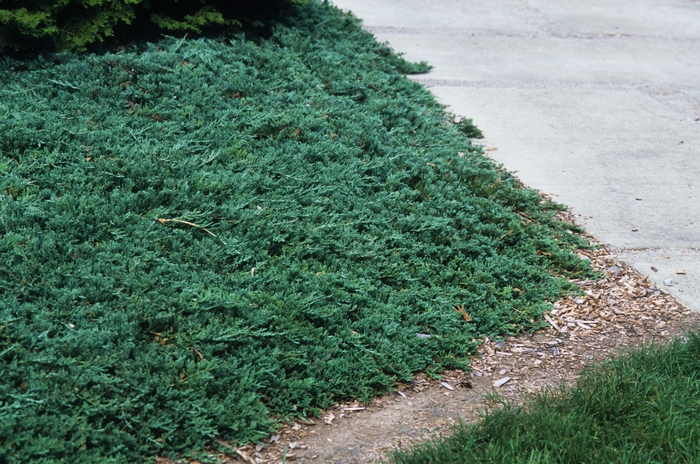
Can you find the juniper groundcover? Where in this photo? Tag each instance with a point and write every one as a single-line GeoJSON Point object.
{"type": "Point", "coordinates": [202, 238]}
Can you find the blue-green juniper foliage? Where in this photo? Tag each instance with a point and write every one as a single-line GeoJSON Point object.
{"type": "Point", "coordinates": [201, 238]}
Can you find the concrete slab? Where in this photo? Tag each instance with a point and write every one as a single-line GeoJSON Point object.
{"type": "Point", "coordinates": [674, 20]}
{"type": "Point", "coordinates": [544, 60]}
{"type": "Point", "coordinates": [597, 102]}
{"type": "Point", "coordinates": [442, 15]}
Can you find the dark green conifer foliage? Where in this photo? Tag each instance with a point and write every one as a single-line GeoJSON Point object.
{"type": "Point", "coordinates": [75, 24]}
{"type": "Point", "coordinates": [200, 238]}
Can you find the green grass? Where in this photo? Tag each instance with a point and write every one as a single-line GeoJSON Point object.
{"type": "Point", "coordinates": [643, 407]}
{"type": "Point", "coordinates": [203, 238]}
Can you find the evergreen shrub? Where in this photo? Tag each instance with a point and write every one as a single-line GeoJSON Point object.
{"type": "Point", "coordinates": [75, 24]}
{"type": "Point", "coordinates": [203, 238]}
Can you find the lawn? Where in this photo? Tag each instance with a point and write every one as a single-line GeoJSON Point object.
{"type": "Point", "coordinates": [204, 238]}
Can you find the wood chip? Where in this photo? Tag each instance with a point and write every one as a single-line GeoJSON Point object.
{"type": "Point", "coordinates": [552, 323]}
{"type": "Point", "coordinates": [447, 385]}
{"type": "Point", "coordinates": [501, 382]}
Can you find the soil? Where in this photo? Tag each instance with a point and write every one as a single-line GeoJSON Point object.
{"type": "Point", "coordinates": [622, 311]}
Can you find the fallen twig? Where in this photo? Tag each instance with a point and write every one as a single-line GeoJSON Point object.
{"type": "Point", "coordinates": [240, 453]}
{"type": "Point", "coordinates": [192, 224]}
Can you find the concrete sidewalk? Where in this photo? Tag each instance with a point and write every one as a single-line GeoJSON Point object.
{"type": "Point", "coordinates": [597, 102]}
